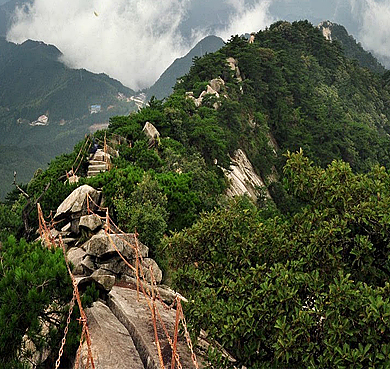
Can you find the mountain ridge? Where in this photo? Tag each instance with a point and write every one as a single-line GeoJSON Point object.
{"type": "Point", "coordinates": [298, 275]}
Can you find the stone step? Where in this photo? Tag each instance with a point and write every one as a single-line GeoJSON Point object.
{"type": "Point", "coordinates": [111, 343]}
{"type": "Point", "coordinates": [101, 155]}
{"type": "Point", "coordinates": [98, 167]}
{"type": "Point", "coordinates": [94, 162]}
{"type": "Point", "coordinates": [101, 158]}
{"type": "Point", "coordinates": [136, 317]}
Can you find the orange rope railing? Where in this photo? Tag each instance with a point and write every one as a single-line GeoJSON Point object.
{"type": "Point", "coordinates": [150, 295]}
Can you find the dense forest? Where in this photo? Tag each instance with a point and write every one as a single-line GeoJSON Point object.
{"type": "Point", "coordinates": [297, 280]}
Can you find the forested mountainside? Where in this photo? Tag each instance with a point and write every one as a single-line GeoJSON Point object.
{"type": "Point", "coordinates": [47, 105]}
{"type": "Point", "coordinates": [352, 49]}
{"type": "Point", "coordinates": [295, 277]}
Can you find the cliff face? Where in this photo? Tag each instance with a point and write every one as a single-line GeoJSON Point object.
{"type": "Point", "coordinates": [243, 178]}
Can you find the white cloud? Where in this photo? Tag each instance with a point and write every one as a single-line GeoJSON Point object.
{"type": "Point", "coordinates": [131, 40]}
{"type": "Point", "coordinates": [247, 18]}
{"type": "Point", "coordinates": [375, 26]}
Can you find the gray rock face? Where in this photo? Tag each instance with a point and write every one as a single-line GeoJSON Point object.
{"type": "Point", "coordinates": [116, 266]}
{"type": "Point", "coordinates": [75, 256]}
{"type": "Point", "coordinates": [112, 345]}
{"type": "Point", "coordinates": [88, 265]}
{"type": "Point", "coordinates": [101, 247]}
{"type": "Point", "coordinates": [242, 177]}
{"type": "Point", "coordinates": [104, 281]}
{"type": "Point", "coordinates": [151, 132]}
{"type": "Point", "coordinates": [157, 273]}
{"type": "Point", "coordinates": [90, 222]}
{"type": "Point", "coordinates": [76, 202]}
{"type": "Point", "coordinates": [136, 317]}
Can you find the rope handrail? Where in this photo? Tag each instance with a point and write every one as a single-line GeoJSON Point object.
{"type": "Point", "coordinates": [150, 294]}
{"type": "Point", "coordinates": [139, 261]}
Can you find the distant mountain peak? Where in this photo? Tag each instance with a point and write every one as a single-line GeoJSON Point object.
{"type": "Point", "coordinates": [164, 85]}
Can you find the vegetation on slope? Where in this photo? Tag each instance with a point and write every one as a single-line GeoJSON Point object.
{"type": "Point", "coordinates": [308, 290]}
{"type": "Point", "coordinates": [33, 82]}
{"type": "Point", "coordinates": [354, 50]}
{"type": "Point", "coordinates": [298, 281]}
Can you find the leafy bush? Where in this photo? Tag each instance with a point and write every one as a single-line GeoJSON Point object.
{"type": "Point", "coordinates": [145, 211]}
{"type": "Point", "coordinates": [34, 285]}
{"type": "Point", "coordinates": [305, 290]}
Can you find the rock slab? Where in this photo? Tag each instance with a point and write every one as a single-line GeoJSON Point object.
{"type": "Point", "coordinates": [112, 345]}
{"type": "Point", "coordinates": [76, 202]}
{"type": "Point", "coordinates": [243, 178]}
{"type": "Point", "coordinates": [101, 246]}
{"type": "Point", "coordinates": [136, 317]}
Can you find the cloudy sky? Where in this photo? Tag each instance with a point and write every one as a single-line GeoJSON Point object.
{"type": "Point", "coordinates": [136, 40]}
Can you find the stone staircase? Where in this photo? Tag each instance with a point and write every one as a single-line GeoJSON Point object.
{"type": "Point", "coordinates": [99, 163]}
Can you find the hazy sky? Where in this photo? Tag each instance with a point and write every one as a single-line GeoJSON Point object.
{"type": "Point", "coordinates": [136, 40]}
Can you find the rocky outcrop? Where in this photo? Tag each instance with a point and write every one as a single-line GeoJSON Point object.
{"type": "Point", "coordinates": [111, 343]}
{"type": "Point", "coordinates": [243, 178]}
{"type": "Point", "coordinates": [233, 64]}
{"type": "Point", "coordinates": [214, 87]}
{"type": "Point", "coordinates": [151, 132]}
{"type": "Point", "coordinates": [75, 205]}
{"type": "Point", "coordinates": [93, 251]}
{"type": "Point", "coordinates": [326, 28]}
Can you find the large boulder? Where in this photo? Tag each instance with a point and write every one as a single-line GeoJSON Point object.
{"type": "Point", "coordinates": [75, 205]}
{"type": "Point", "coordinates": [90, 222]}
{"type": "Point", "coordinates": [157, 273]}
{"type": "Point", "coordinates": [76, 256]}
{"type": "Point", "coordinates": [151, 132]}
{"type": "Point", "coordinates": [101, 246]}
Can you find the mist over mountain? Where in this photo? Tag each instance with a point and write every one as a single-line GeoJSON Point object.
{"type": "Point", "coordinates": [266, 168]}
{"type": "Point", "coordinates": [103, 44]}
{"type": "Point", "coordinates": [45, 107]}
{"type": "Point", "coordinates": [118, 37]}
